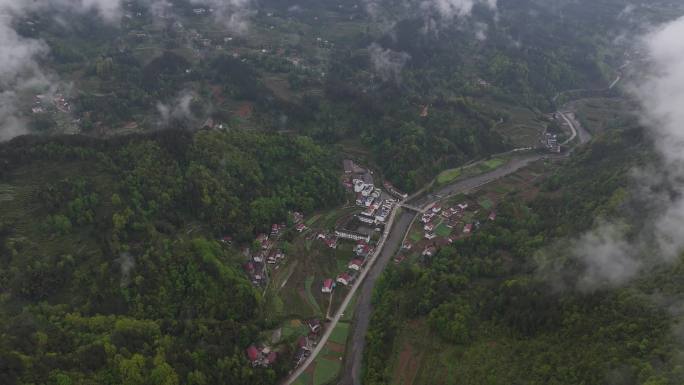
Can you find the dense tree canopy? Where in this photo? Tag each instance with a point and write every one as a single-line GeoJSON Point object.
{"type": "Point", "coordinates": [110, 271]}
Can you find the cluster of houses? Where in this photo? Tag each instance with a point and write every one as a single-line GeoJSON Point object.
{"type": "Point", "coordinates": [377, 213]}
{"type": "Point", "coordinates": [376, 210]}
{"type": "Point", "coordinates": [261, 355]}
{"type": "Point", "coordinates": [329, 240]}
{"type": "Point", "coordinates": [450, 217]}
{"type": "Point", "coordinates": [298, 219]}
{"type": "Point", "coordinates": [362, 251]}
{"type": "Point", "coordinates": [59, 101]}
{"type": "Point", "coordinates": [551, 143]}
{"type": "Point", "coordinates": [202, 11]}
{"type": "Point", "coordinates": [306, 344]}
{"type": "Point", "coordinates": [267, 253]}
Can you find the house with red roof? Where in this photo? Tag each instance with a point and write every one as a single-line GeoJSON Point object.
{"type": "Point", "coordinates": [344, 279]}
{"type": "Point", "coordinates": [328, 286]}
{"type": "Point", "coordinates": [270, 358]}
{"type": "Point", "coordinates": [253, 354]}
{"type": "Point", "coordinates": [331, 242]}
{"type": "Point", "coordinates": [355, 264]}
{"type": "Point", "coordinates": [363, 251]}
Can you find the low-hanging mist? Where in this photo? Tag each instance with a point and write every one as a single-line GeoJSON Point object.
{"type": "Point", "coordinates": [607, 256]}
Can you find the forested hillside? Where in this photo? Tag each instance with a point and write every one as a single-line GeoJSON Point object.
{"type": "Point", "coordinates": [109, 268]}
{"type": "Point", "coordinates": [416, 90]}
{"type": "Point", "coordinates": [505, 305]}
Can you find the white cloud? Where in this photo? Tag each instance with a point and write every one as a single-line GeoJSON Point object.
{"type": "Point", "coordinates": [20, 57]}
{"type": "Point", "coordinates": [177, 110]}
{"type": "Point", "coordinates": [455, 8]}
{"type": "Point", "coordinates": [607, 257]}
{"type": "Point", "coordinates": [386, 63]}
{"type": "Point", "coordinates": [234, 14]}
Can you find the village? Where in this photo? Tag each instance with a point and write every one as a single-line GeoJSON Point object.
{"type": "Point", "coordinates": [443, 224]}
{"type": "Point", "coordinates": [339, 245]}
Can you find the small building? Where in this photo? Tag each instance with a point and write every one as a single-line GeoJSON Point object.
{"type": "Point", "coordinates": [253, 354]}
{"type": "Point", "coordinates": [331, 243]}
{"type": "Point", "coordinates": [300, 227]}
{"type": "Point", "coordinates": [355, 264]}
{"type": "Point", "coordinates": [492, 216]}
{"type": "Point", "coordinates": [429, 251]}
{"type": "Point", "coordinates": [298, 217]}
{"type": "Point", "coordinates": [362, 249]}
{"type": "Point", "coordinates": [436, 209]}
{"type": "Point", "coordinates": [344, 279]}
{"type": "Point", "coordinates": [429, 227]}
{"type": "Point", "coordinates": [261, 238]}
{"type": "Point", "coordinates": [467, 229]}
{"type": "Point", "coordinates": [430, 236]}
{"type": "Point", "coordinates": [328, 286]}
{"type": "Point", "coordinates": [427, 217]}
{"type": "Point", "coordinates": [314, 325]}
{"type": "Point", "coordinates": [352, 235]}
{"type": "Point", "coordinates": [365, 217]}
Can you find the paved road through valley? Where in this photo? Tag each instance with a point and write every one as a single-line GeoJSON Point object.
{"type": "Point", "coordinates": [354, 360]}
{"type": "Point", "coordinates": [353, 364]}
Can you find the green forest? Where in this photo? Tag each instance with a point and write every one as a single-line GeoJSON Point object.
{"type": "Point", "coordinates": [336, 94]}
{"type": "Point", "coordinates": [150, 143]}
{"type": "Point", "coordinates": [110, 271]}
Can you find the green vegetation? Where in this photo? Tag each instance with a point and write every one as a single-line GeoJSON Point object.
{"type": "Point", "coordinates": [486, 311]}
{"type": "Point", "coordinates": [340, 333]}
{"type": "Point", "coordinates": [448, 176]}
{"type": "Point", "coordinates": [111, 271]}
{"type": "Point", "coordinates": [442, 230]}
{"type": "Point", "coordinates": [311, 72]}
{"type": "Point", "coordinates": [326, 370]}
{"type": "Point", "coordinates": [308, 283]}
{"type": "Point", "coordinates": [108, 257]}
